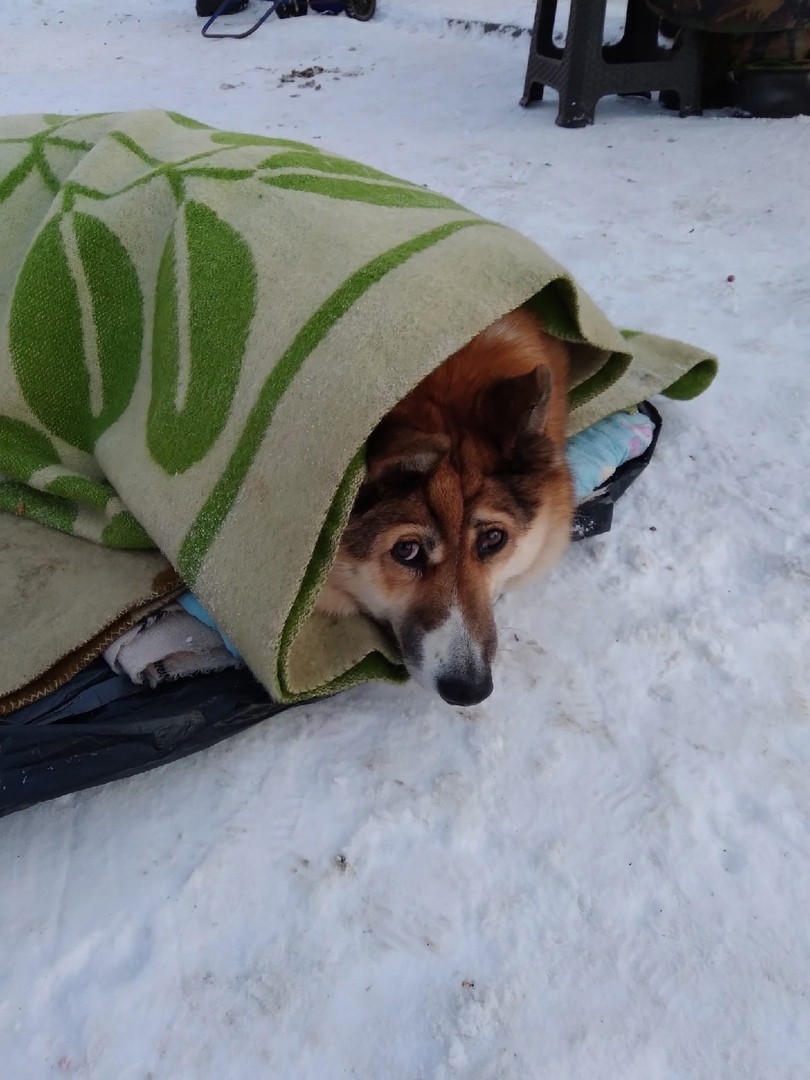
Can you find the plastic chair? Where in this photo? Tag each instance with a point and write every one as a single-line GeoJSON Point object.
{"type": "Point", "coordinates": [586, 69]}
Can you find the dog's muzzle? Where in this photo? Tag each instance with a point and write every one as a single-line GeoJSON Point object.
{"type": "Point", "coordinates": [448, 658]}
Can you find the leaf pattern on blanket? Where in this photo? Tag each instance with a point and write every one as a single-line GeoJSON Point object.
{"type": "Point", "coordinates": [81, 489]}
{"type": "Point", "coordinates": [23, 449]}
{"type": "Point", "coordinates": [39, 158]}
{"type": "Point", "coordinates": [340, 178]}
{"type": "Point", "coordinates": [407, 196]}
{"type": "Point", "coordinates": [197, 352]}
{"type": "Point", "coordinates": [239, 138]}
{"type": "Point", "coordinates": [22, 501]}
{"type": "Point", "coordinates": [77, 379]}
{"type": "Point", "coordinates": [77, 371]}
{"type": "Point", "coordinates": [328, 163]}
{"type": "Point", "coordinates": [125, 532]}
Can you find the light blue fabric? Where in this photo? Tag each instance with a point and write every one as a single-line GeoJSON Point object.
{"type": "Point", "coordinates": [597, 452]}
{"type": "Point", "coordinates": [195, 608]}
{"type": "Point", "coordinates": [593, 455]}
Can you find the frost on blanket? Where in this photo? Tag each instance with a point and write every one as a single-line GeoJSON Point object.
{"type": "Point", "coordinates": [199, 331]}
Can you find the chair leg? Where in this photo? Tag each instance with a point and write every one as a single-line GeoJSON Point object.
{"type": "Point", "coordinates": [575, 114]}
{"type": "Point", "coordinates": [691, 89]}
{"type": "Point", "coordinates": [583, 62]}
{"type": "Point", "coordinates": [541, 44]}
{"type": "Point", "coordinates": [532, 91]}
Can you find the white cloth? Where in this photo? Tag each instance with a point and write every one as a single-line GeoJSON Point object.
{"type": "Point", "coordinates": [169, 644]}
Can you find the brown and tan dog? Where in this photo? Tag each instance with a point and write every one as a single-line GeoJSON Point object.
{"type": "Point", "coordinates": [466, 494]}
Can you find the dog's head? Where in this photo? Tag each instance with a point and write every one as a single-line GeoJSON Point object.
{"type": "Point", "coordinates": [456, 505]}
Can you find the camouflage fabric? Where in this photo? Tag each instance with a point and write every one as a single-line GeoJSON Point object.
{"type": "Point", "coordinates": [737, 16]}
{"type": "Point", "coordinates": [733, 52]}
{"type": "Point", "coordinates": [785, 48]}
{"type": "Point", "coordinates": [744, 32]}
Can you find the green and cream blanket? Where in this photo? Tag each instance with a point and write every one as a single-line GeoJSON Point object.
{"type": "Point", "coordinates": [199, 331]}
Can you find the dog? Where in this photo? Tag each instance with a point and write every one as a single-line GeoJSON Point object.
{"type": "Point", "coordinates": [466, 494]}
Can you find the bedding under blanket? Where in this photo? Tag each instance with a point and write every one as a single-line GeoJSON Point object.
{"type": "Point", "coordinates": [199, 330]}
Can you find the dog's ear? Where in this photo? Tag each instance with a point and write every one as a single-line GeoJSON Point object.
{"type": "Point", "coordinates": [511, 409]}
{"type": "Point", "coordinates": [396, 447]}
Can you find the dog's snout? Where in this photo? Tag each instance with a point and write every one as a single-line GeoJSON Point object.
{"type": "Point", "coordinates": [450, 658]}
{"type": "Point", "coordinates": [470, 691]}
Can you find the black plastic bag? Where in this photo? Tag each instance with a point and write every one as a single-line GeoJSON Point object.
{"type": "Point", "coordinates": [100, 727]}
{"type": "Point", "coordinates": [595, 516]}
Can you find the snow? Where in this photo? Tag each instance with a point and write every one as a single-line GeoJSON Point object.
{"type": "Point", "coordinates": [602, 871]}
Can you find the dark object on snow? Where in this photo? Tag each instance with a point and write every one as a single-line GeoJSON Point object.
{"type": "Point", "coordinates": [291, 9]}
{"type": "Point", "coordinates": [206, 8]}
{"type": "Point", "coordinates": [100, 727]}
{"type": "Point", "coordinates": [775, 92]}
{"type": "Point", "coordinates": [763, 90]}
{"type": "Point", "coordinates": [595, 516]}
{"type": "Point", "coordinates": [586, 69]}
{"type": "Point", "coordinates": [225, 10]}
{"type": "Point", "coordinates": [361, 10]}
{"type": "Point", "coordinates": [717, 93]}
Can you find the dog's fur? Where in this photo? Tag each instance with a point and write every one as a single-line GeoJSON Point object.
{"type": "Point", "coordinates": [466, 494]}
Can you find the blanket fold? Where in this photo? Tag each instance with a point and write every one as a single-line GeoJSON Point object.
{"type": "Point", "coordinates": [201, 328]}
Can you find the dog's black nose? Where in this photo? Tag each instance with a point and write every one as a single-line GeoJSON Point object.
{"type": "Point", "coordinates": [465, 691]}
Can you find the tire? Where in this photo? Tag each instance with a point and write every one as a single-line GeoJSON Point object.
{"type": "Point", "coordinates": [361, 10]}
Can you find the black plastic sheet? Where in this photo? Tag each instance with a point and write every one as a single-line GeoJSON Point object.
{"type": "Point", "coordinates": [100, 727]}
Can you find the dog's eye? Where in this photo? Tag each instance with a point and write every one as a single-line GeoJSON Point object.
{"type": "Point", "coordinates": [490, 541]}
{"type": "Point", "coordinates": [407, 552]}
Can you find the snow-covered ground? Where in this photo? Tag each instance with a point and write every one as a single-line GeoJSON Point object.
{"type": "Point", "coordinates": [601, 873]}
